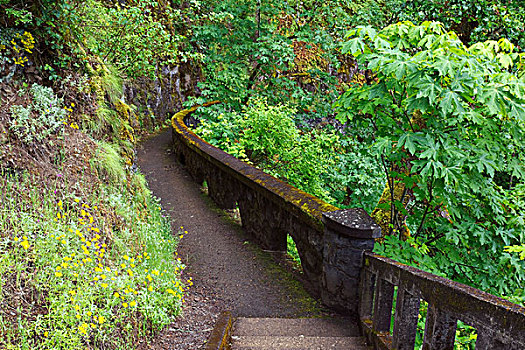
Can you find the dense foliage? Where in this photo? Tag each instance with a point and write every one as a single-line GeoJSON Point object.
{"type": "Point", "coordinates": [87, 257]}
{"type": "Point", "coordinates": [134, 36]}
{"type": "Point", "coordinates": [284, 56]}
{"type": "Point", "coordinates": [474, 21]}
{"type": "Point", "coordinates": [447, 122]}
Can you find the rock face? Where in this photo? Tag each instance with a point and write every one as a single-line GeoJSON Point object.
{"type": "Point", "coordinates": [164, 96]}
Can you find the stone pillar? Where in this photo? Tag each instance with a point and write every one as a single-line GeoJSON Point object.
{"type": "Point", "coordinates": [347, 234]}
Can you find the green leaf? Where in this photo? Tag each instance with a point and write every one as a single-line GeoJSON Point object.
{"type": "Point", "coordinates": [401, 68]}
{"type": "Point", "coordinates": [444, 66]}
{"type": "Point", "coordinates": [451, 103]}
{"type": "Point", "coordinates": [494, 99]}
{"type": "Point", "coordinates": [505, 60]}
{"type": "Point", "coordinates": [429, 89]}
{"type": "Point", "coordinates": [408, 140]}
{"type": "Point", "coordinates": [354, 46]}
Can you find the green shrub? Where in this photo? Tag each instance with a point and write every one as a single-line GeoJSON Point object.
{"type": "Point", "coordinates": [331, 165]}
{"type": "Point", "coordinates": [44, 115]}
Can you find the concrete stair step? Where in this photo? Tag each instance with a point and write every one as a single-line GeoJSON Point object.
{"type": "Point", "coordinates": [311, 327]}
{"type": "Point", "coordinates": [282, 333]}
{"type": "Point", "coordinates": [298, 342]}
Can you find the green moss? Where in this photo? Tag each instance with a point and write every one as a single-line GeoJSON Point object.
{"type": "Point", "coordinates": [382, 216]}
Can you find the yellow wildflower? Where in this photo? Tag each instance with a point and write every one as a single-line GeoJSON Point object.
{"type": "Point", "coordinates": [25, 244]}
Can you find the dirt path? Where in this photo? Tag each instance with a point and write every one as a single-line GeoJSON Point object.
{"type": "Point", "coordinates": [228, 272]}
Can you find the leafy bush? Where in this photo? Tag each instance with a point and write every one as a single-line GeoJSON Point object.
{"type": "Point", "coordinates": [446, 119]}
{"type": "Point", "coordinates": [325, 163]}
{"type": "Point", "coordinates": [356, 179]}
{"type": "Point", "coordinates": [44, 115]}
{"type": "Point", "coordinates": [137, 38]}
{"type": "Point", "coordinates": [266, 135]}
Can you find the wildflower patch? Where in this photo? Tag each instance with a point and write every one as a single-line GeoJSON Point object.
{"type": "Point", "coordinates": [96, 283]}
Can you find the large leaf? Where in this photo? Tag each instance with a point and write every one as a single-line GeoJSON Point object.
{"type": "Point", "coordinates": [428, 88]}
{"type": "Point", "coordinates": [493, 97]}
{"type": "Point", "coordinates": [451, 102]}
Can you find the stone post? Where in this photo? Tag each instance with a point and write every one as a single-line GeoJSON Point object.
{"type": "Point", "coordinates": [347, 234]}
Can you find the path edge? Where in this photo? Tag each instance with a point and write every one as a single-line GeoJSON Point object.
{"type": "Point", "coordinates": [220, 337]}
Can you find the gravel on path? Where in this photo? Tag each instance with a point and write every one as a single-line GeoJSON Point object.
{"type": "Point", "coordinates": [228, 272]}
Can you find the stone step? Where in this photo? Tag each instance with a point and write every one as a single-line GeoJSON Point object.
{"type": "Point", "coordinates": [282, 333]}
{"type": "Point", "coordinates": [298, 343]}
{"type": "Point", "coordinates": [310, 327]}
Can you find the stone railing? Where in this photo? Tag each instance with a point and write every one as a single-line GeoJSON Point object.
{"type": "Point", "coordinates": [500, 324]}
{"type": "Point", "coordinates": [332, 243]}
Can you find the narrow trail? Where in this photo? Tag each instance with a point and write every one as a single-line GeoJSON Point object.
{"type": "Point", "coordinates": [228, 272]}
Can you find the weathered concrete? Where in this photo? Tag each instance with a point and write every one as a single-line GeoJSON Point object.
{"type": "Point", "coordinates": [281, 333]}
{"type": "Point", "coordinates": [500, 324]}
{"type": "Point", "coordinates": [348, 233]}
{"type": "Point", "coordinates": [313, 327]}
{"type": "Point", "coordinates": [299, 343]}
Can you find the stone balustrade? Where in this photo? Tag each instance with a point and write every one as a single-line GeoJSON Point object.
{"type": "Point", "coordinates": [499, 323]}
{"type": "Point", "coordinates": [270, 209]}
